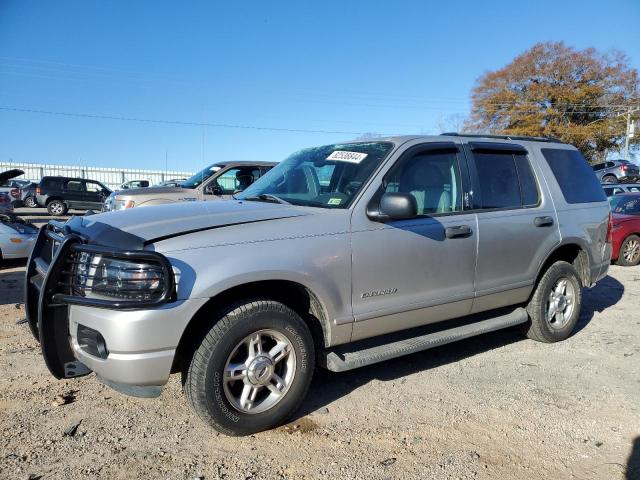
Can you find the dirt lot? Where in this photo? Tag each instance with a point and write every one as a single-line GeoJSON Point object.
{"type": "Point", "coordinates": [496, 406]}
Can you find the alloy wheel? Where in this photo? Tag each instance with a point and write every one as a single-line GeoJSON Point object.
{"type": "Point", "coordinates": [561, 303]}
{"type": "Point", "coordinates": [631, 251]}
{"type": "Point", "coordinates": [259, 371]}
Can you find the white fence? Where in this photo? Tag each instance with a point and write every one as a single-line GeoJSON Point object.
{"type": "Point", "coordinates": [112, 177]}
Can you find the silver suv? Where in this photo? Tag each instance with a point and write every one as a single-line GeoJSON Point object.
{"type": "Point", "coordinates": [341, 256]}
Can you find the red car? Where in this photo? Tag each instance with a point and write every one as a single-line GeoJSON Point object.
{"type": "Point", "coordinates": [625, 227]}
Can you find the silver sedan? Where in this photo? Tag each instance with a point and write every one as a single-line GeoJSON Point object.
{"type": "Point", "coordinates": [17, 237]}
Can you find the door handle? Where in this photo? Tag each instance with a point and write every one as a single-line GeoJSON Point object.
{"type": "Point", "coordinates": [458, 231]}
{"type": "Point", "coordinates": [543, 221]}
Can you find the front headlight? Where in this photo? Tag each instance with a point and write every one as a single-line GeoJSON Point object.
{"type": "Point", "coordinates": [122, 204]}
{"type": "Point", "coordinates": [101, 277]}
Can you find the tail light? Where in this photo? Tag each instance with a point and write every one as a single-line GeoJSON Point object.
{"type": "Point", "coordinates": [37, 190]}
{"type": "Point", "coordinates": [15, 193]}
{"type": "Point", "coordinates": [610, 229]}
{"type": "Point", "coordinates": [624, 168]}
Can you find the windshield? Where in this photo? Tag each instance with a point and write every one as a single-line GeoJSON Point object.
{"type": "Point", "coordinates": [327, 177]}
{"type": "Point", "coordinates": [196, 180]}
{"type": "Point", "coordinates": [626, 205]}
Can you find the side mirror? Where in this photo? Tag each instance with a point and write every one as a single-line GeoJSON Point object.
{"type": "Point", "coordinates": [395, 206]}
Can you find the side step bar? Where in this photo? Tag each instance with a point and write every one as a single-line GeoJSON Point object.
{"type": "Point", "coordinates": [350, 356]}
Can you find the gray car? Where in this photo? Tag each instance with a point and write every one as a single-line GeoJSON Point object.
{"type": "Point", "coordinates": [617, 171]}
{"type": "Point", "coordinates": [341, 256]}
{"type": "Point", "coordinates": [218, 181]}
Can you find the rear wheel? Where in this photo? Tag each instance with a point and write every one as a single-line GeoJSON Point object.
{"type": "Point", "coordinates": [30, 202]}
{"type": "Point", "coordinates": [56, 207]}
{"type": "Point", "coordinates": [555, 305]}
{"type": "Point", "coordinates": [629, 254]}
{"type": "Point", "coordinates": [252, 369]}
{"type": "Point", "coordinates": [610, 179]}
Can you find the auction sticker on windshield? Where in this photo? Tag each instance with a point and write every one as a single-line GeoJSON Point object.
{"type": "Point", "coordinates": [344, 156]}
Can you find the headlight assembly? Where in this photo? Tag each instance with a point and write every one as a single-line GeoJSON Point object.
{"type": "Point", "coordinates": [121, 279]}
{"type": "Point", "coordinates": [99, 276]}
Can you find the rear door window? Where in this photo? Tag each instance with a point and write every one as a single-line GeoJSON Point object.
{"type": "Point", "coordinates": [574, 176]}
{"type": "Point", "coordinates": [505, 180]}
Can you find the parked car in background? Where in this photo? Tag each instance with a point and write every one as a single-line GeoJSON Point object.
{"type": "Point", "coordinates": [174, 182]}
{"type": "Point", "coordinates": [135, 184]}
{"type": "Point", "coordinates": [617, 171]}
{"type": "Point", "coordinates": [17, 237]}
{"type": "Point", "coordinates": [59, 194]}
{"type": "Point", "coordinates": [6, 205]}
{"type": "Point", "coordinates": [217, 181]}
{"type": "Point", "coordinates": [614, 189]}
{"type": "Point", "coordinates": [28, 195]}
{"type": "Point", "coordinates": [10, 186]}
{"type": "Point", "coordinates": [625, 219]}
{"type": "Point", "coordinates": [406, 244]}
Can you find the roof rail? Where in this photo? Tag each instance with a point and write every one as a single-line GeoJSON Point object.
{"type": "Point", "coordinates": [504, 137]}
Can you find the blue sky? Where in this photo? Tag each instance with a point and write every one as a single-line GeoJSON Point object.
{"type": "Point", "coordinates": [339, 66]}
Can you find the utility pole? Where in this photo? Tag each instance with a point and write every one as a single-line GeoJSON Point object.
{"type": "Point", "coordinates": [627, 135]}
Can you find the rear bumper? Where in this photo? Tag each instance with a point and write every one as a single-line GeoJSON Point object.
{"type": "Point", "coordinates": [600, 270]}
{"type": "Point", "coordinates": [629, 179]}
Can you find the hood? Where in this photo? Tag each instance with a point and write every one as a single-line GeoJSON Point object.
{"type": "Point", "coordinates": [142, 226]}
{"type": "Point", "coordinates": [9, 174]}
{"type": "Point", "coordinates": [150, 191]}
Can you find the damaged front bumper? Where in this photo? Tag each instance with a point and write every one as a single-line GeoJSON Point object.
{"type": "Point", "coordinates": [130, 349]}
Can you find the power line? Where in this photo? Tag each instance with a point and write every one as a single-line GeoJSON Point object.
{"type": "Point", "coordinates": [225, 125]}
{"type": "Point", "coordinates": [76, 69]}
{"type": "Point", "coordinates": [175, 122]}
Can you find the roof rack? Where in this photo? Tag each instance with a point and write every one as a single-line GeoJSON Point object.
{"type": "Point", "coordinates": [504, 137]}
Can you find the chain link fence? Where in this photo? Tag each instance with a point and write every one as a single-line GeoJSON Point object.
{"type": "Point", "coordinates": [111, 177]}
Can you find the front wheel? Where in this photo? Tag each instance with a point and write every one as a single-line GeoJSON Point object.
{"type": "Point", "coordinates": [629, 254]}
{"type": "Point", "coordinates": [555, 305]}
{"type": "Point", "coordinates": [252, 369]}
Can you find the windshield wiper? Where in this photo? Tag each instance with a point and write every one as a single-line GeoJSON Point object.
{"type": "Point", "coordinates": [267, 197]}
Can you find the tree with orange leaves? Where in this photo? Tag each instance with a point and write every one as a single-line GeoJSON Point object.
{"type": "Point", "coordinates": [579, 96]}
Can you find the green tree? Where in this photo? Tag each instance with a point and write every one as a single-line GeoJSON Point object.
{"type": "Point", "coordinates": [578, 96]}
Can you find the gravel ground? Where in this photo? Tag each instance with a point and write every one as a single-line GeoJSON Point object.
{"type": "Point", "coordinates": [495, 406]}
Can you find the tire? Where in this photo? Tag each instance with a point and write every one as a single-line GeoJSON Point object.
{"type": "Point", "coordinates": [543, 326]}
{"type": "Point", "coordinates": [30, 202]}
{"type": "Point", "coordinates": [223, 404]}
{"type": "Point", "coordinates": [610, 179]}
{"type": "Point", "coordinates": [629, 254]}
{"type": "Point", "coordinates": [57, 207]}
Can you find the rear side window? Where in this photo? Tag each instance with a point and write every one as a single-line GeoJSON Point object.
{"type": "Point", "coordinates": [506, 180]}
{"type": "Point", "coordinates": [52, 183]}
{"type": "Point", "coordinates": [74, 186]}
{"type": "Point", "coordinates": [575, 177]}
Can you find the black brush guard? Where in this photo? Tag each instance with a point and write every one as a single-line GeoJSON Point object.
{"type": "Point", "coordinates": [49, 290]}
